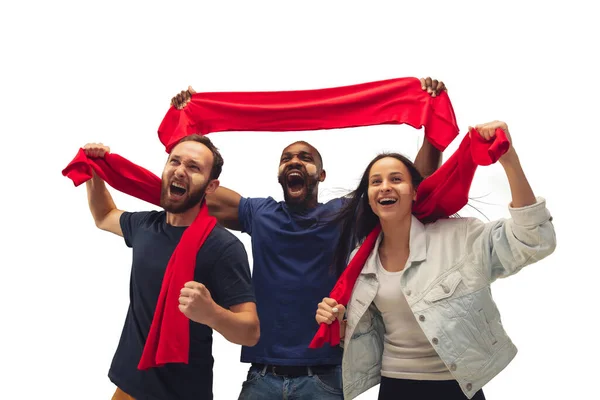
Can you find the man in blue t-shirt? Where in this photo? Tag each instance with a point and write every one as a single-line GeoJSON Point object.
{"type": "Point", "coordinates": [292, 247]}
{"type": "Point", "coordinates": [220, 297]}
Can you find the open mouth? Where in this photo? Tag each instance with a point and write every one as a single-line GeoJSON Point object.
{"type": "Point", "coordinates": [177, 189]}
{"type": "Point", "coordinates": [295, 182]}
{"type": "Point", "coordinates": [387, 201]}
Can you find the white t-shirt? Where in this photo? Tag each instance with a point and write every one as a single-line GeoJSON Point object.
{"type": "Point", "coordinates": [407, 354]}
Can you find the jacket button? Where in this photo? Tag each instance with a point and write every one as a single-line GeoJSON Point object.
{"type": "Point", "coordinates": [421, 318]}
{"type": "Point", "coordinates": [446, 289]}
{"type": "Point", "coordinates": [434, 340]}
{"type": "Point", "coordinates": [469, 386]}
{"type": "Point", "coordinates": [408, 292]}
{"type": "Point", "coordinates": [452, 367]}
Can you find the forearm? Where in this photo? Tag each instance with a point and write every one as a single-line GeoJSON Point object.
{"type": "Point", "coordinates": [522, 194]}
{"type": "Point", "coordinates": [223, 204]}
{"type": "Point", "coordinates": [428, 159]}
{"type": "Point", "coordinates": [99, 199]}
{"type": "Point", "coordinates": [241, 327]}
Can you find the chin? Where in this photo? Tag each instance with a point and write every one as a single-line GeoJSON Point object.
{"type": "Point", "coordinates": [393, 216]}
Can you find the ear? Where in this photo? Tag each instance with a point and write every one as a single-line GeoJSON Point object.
{"type": "Point", "coordinates": [212, 186]}
{"type": "Point", "coordinates": [322, 175]}
{"type": "Point", "coordinates": [414, 194]}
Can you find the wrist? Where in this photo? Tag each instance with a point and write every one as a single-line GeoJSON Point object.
{"type": "Point", "coordinates": [215, 315]}
{"type": "Point", "coordinates": [510, 158]}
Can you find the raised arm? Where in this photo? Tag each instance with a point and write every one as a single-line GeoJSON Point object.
{"type": "Point", "coordinates": [505, 246]}
{"type": "Point", "coordinates": [103, 208]}
{"type": "Point", "coordinates": [429, 159]}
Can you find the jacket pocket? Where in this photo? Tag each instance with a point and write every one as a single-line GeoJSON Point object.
{"type": "Point", "coordinates": [449, 296]}
{"type": "Point", "coordinates": [363, 353]}
{"type": "Point", "coordinates": [445, 288]}
{"type": "Point", "coordinates": [487, 329]}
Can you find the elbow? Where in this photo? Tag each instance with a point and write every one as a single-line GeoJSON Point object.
{"type": "Point", "coordinates": [550, 242]}
{"type": "Point", "coordinates": [100, 223]}
{"type": "Point", "coordinates": [253, 334]}
{"type": "Point", "coordinates": [547, 242]}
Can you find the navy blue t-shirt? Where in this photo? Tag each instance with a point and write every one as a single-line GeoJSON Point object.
{"type": "Point", "coordinates": [221, 265]}
{"type": "Point", "coordinates": [292, 255]}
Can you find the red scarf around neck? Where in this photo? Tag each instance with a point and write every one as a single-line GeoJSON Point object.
{"type": "Point", "coordinates": [394, 101]}
{"type": "Point", "coordinates": [441, 195]}
{"type": "Point", "coordinates": [169, 337]}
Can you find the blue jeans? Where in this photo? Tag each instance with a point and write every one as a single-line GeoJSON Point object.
{"type": "Point", "coordinates": [263, 385]}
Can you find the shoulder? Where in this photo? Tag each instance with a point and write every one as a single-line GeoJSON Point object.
{"type": "Point", "coordinates": [456, 231]}
{"type": "Point", "coordinates": [258, 203]}
{"type": "Point", "coordinates": [142, 217]}
{"type": "Point", "coordinates": [220, 239]}
{"type": "Point", "coordinates": [222, 246]}
{"type": "Point", "coordinates": [446, 226]}
{"type": "Point", "coordinates": [337, 203]}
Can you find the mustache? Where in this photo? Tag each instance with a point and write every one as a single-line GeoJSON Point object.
{"type": "Point", "coordinates": [287, 170]}
{"type": "Point", "coordinates": [172, 180]}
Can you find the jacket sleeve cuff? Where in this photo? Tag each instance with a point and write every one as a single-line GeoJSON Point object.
{"type": "Point", "coordinates": [532, 215]}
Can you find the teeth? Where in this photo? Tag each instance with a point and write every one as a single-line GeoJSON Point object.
{"type": "Point", "coordinates": [387, 199]}
{"type": "Point", "coordinates": [295, 174]}
{"type": "Point", "coordinates": [178, 185]}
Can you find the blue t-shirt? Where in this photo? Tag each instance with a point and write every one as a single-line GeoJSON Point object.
{"type": "Point", "coordinates": [292, 253]}
{"type": "Point", "coordinates": [221, 265]}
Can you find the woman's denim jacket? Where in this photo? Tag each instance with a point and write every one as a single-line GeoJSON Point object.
{"type": "Point", "coordinates": [446, 282]}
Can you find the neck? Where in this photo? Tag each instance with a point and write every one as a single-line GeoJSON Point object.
{"type": "Point", "coordinates": [396, 234]}
{"type": "Point", "coordinates": [309, 203]}
{"type": "Point", "coordinates": [185, 218]}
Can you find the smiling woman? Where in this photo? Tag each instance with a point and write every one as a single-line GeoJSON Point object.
{"type": "Point", "coordinates": [418, 279]}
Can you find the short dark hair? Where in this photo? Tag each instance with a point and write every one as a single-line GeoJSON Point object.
{"type": "Point", "coordinates": [217, 166]}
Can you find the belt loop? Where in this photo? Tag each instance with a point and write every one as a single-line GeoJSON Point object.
{"type": "Point", "coordinates": [264, 370]}
{"type": "Point", "coordinates": [310, 371]}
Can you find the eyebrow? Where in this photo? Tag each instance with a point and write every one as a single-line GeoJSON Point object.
{"type": "Point", "coordinates": [300, 153]}
{"type": "Point", "coordinates": [392, 173]}
{"type": "Point", "coordinates": [191, 162]}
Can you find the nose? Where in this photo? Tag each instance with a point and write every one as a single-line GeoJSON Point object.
{"type": "Point", "coordinates": [384, 187]}
{"type": "Point", "coordinates": [294, 162]}
{"type": "Point", "coordinates": [179, 171]}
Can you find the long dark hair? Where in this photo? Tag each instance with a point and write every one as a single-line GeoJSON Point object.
{"type": "Point", "coordinates": [356, 219]}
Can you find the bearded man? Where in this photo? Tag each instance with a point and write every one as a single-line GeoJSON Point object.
{"type": "Point", "coordinates": [220, 297]}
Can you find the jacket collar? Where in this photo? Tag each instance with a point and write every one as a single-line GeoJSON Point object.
{"type": "Point", "coordinates": [417, 247]}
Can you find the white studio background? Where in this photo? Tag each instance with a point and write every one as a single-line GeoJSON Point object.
{"type": "Point", "coordinates": [75, 72]}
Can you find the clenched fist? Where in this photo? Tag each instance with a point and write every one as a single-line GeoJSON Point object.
{"type": "Point", "coordinates": [488, 132]}
{"type": "Point", "coordinates": [181, 100]}
{"type": "Point", "coordinates": [96, 150]}
{"type": "Point", "coordinates": [196, 303]}
{"type": "Point", "coordinates": [329, 310]}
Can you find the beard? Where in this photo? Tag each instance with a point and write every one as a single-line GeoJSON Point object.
{"type": "Point", "coordinates": [300, 190]}
{"type": "Point", "coordinates": [190, 199]}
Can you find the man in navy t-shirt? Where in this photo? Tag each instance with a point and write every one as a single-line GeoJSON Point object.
{"type": "Point", "coordinates": [292, 248]}
{"type": "Point", "coordinates": [220, 297]}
